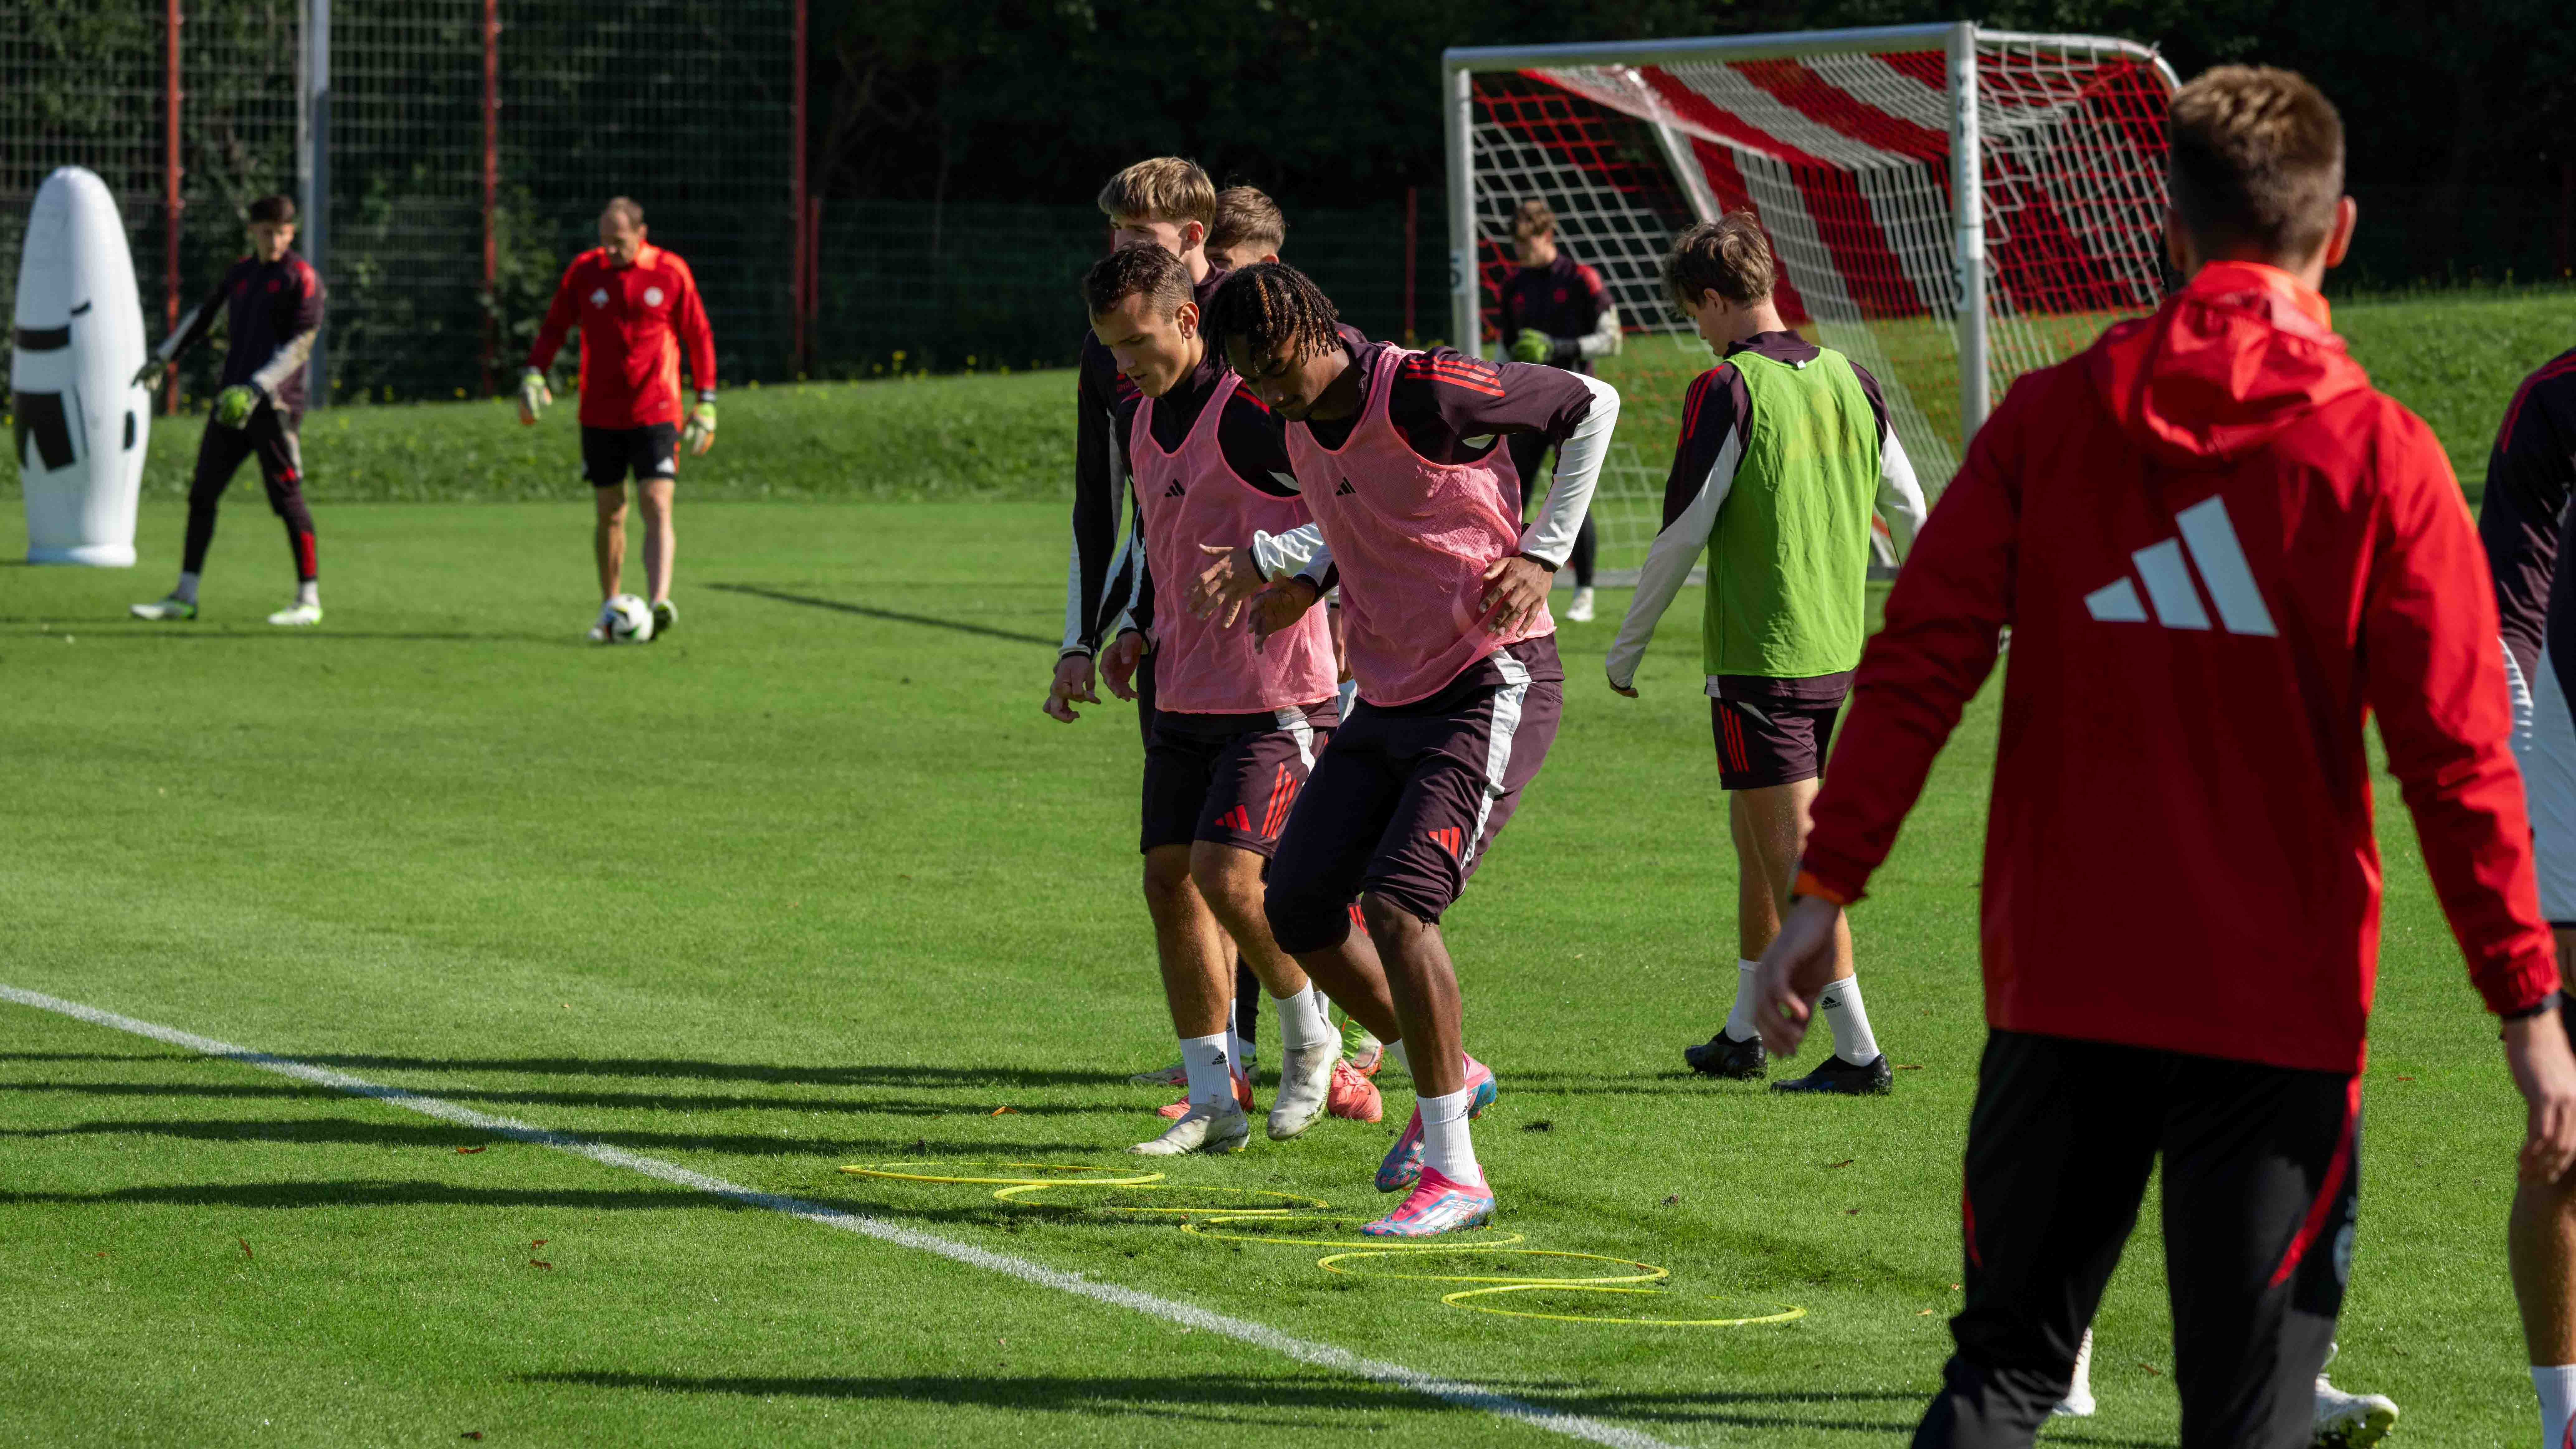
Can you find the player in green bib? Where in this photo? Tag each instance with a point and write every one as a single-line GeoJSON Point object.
{"type": "Point", "coordinates": [1785, 454]}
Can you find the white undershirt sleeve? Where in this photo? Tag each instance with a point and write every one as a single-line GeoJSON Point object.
{"type": "Point", "coordinates": [1281, 556]}
{"type": "Point", "coordinates": [1578, 472]}
{"type": "Point", "coordinates": [1900, 497]}
{"type": "Point", "coordinates": [1668, 564]}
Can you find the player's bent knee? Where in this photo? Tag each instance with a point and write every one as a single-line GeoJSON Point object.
{"type": "Point", "coordinates": [1388, 919]}
{"type": "Point", "coordinates": [1224, 869]}
{"type": "Point", "coordinates": [1304, 918]}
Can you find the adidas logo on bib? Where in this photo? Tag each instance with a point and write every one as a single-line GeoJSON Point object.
{"type": "Point", "coordinates": [2171, 599]}
{"type": "Point", "coordinates": [1346, 490]}
{"type": "Point", "coordinates": [1174, 491]}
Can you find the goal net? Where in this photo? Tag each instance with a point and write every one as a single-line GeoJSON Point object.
{"type": "Point", "coordinates": [1849, 147]}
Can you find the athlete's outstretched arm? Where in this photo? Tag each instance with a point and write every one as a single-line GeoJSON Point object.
{"type": "Point", "coordinates": [298, 348]}
{"type": "Point", "coordinates": [1581, 449]}
{"type": "Point", "coordinates": [1703, 474]}
{"type": "Point", "coordinates": [192, 329]}
{"type": "Point", "coordinates": [2436, 681]}
{"type": "Point", "coordinates": [560, 315]}
{"type": "Point", "coordinates": [697, 339]}
{"type": "Point", "coordinates": [1945, 620]}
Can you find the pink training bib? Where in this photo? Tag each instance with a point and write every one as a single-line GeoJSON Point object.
{"type": "Point", "coordinates": [1191, 496]}
{"type": "Point", "coordinates": [1412, 539]}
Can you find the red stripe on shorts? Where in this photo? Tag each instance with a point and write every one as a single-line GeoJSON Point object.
{"type": "Point", "coordinates": [2326, 1190]}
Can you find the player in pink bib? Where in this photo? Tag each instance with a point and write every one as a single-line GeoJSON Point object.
{"type": "Point", "coordinates": [1444, 605]}
{"type": "Point", "coordinates": [1237, 720]}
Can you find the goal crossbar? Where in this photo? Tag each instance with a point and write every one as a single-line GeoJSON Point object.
{"type": "Point", "coordinates": [1849, 146]}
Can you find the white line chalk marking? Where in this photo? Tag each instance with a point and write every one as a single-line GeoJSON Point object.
{"type": "Point", "coordinates": [1304, 1350]}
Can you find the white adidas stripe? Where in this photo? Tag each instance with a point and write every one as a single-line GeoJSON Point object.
{"type": "Point", "coordinates": [2172, 599]}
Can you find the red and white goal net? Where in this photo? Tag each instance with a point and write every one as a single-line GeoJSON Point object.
{"type": "Point", "coordinates": [1846, 145]}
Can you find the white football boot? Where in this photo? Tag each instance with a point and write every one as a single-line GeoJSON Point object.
{"type": "Point", "coordinates": [1305, 1087]}
{"type": "Point", "coordinates": [2351, 1421]}
{"type": "Point", "coordinates": [1580, 611]}
{"type": "Point", "coordinates": [599, 631]}
{"type": "Point", "coordinates": [1219, 1126]}
{"type": "Point", "coordinates": [297, 615]}
{"type": "Point", "coordinates": [2078, 1403]}
{"type": "Point", "coordinates": [168, 609]}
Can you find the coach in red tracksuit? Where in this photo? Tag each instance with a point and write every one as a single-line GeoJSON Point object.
{"type": "Point", "coordinates": [2217, 549]}
{"type": "Point", "coordinates": [638, 308]}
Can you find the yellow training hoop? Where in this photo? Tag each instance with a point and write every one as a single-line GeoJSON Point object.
{"type": "Point", "coordinates": [891, 1171]}
{"type": "Point", "coordinates": [1019, 1196]}
{"type": "Point", "coordinates": [1788, 1311]}
{"type": "Point", "coordinates": [1649, 1274]}
{"type": "Point", "coordinates": [1201, 1227]}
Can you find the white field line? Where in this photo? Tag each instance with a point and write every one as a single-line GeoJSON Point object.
{"type": "Point", "coordinates": [1304, 1350]}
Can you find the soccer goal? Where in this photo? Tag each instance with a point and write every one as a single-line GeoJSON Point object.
{"type": "Point", "coordinates": [1849, 146]}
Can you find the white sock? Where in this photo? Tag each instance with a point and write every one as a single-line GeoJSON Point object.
{"type": "Point", "coordinates": [1395, 1049]}
{"type": "Point", "coordinates": [1204, 1058]}
{"type": "Point", "coordinates": [1841, 1006]}
{"type": "Point", "coordinates": [1739, 1018]}
{"type": "Point", "coordinates": [1302, 1023]}
{"type": "Point", "coordinates": [1244, 1051]}
{"type": "Point", "coordinates": [2557, 1386]}
{"type": "Point", "coordinates": [1445, 1146]}
{"type": "Point", "coordinates": [309, 592]}
{"type": "Point", "coordinates": [186, 590]}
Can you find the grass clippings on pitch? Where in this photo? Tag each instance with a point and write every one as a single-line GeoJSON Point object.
{"type": "Point", "coordinates": [813, 883]}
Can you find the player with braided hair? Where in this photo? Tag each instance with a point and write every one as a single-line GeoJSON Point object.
{"type": "Point", "coordinates": [1399, 457]}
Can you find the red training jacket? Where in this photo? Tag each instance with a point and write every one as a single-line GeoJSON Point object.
{"type": "Point", "coordinates": [634, 321]}
{"type": "Point", "coordinates": [2218, 549]}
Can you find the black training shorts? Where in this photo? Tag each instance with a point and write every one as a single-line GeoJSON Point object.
{"type": "Point", "coordinates": [609, 454]}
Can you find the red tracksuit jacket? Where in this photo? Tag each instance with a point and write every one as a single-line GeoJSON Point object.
{"type": "Point", "coordinates": [2218, 549]}
{"type": "Point", "coordinates": [634, 322]}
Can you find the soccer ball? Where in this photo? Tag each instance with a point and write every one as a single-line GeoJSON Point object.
{"type": "Point", "coordinates": [629, 620]}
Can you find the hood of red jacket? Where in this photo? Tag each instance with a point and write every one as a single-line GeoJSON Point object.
{"type": "Point", "coordinates": [2240, 353]}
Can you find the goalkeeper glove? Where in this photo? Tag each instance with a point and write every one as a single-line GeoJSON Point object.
{"type": "Point", "coordinates": [700, 433]}
{"type": "Point", "coordinates": [534, 397]}
{"type": "Point", "coordinates": [1532, 346]}
{"type": "Point", "coordinates": [233, 406]}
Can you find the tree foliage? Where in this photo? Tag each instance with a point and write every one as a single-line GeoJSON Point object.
{"type": "Point", "coordinates": [1039, 99]}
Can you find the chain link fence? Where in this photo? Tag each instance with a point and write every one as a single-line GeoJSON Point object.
{"type": "Point", "coordinates": [913, 287]}
{"type": "Point", "coordinates": [683, 105]}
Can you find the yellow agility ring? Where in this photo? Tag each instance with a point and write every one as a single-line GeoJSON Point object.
{"type": "Point", "coordinates": [897, 1171]}
{"type": "Point", "coordinates": [1202, 1228]}
{"type": "Point", "coordinates": [1020, 1196]}
{"type": "Point", "coordinates": [1788, 1311]}
{"type": "Point", "coordinates": [1647, 1272]}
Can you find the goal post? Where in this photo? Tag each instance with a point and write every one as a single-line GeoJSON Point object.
{"type": "Point", "coordinates": [1849, 147]}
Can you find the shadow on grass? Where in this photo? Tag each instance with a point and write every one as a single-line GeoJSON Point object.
{"type": "Point", "coordinates": [403, 1134]}
{"type": "Point", "coordinates": [1226, 1396]}
{"type": "Point", "coordinates": [833, 1076]}
{"type": "Point", "coordinates": [892, 616]}
{"type": "Point", "coordinates": [1219, 1397]}
{"type": "Point", "coordinates": [615, 1101]}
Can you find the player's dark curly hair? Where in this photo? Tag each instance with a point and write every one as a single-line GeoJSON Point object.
{"type": "Point", "coordinates": [1272, 305]}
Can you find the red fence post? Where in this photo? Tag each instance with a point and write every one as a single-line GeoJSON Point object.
{"type": "Point", "coordinates": [491, 185]}
{"type": "Point", "coordinates": [171, 202]}
{"type": "Point", "coordinates": [1412, 200]}
{"type": "Point", "coordinates": [801, 289]}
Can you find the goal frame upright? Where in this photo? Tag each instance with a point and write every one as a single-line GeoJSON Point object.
{"type": "Point", "coordinates": [1961, 41]}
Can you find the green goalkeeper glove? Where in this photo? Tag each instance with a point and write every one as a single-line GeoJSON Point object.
{"type": "Point", "coordinates": [700, 432]}
{"type": "Point", "coordinates": [534, 397]}
{"type": "Point", "coordinates": [1532, 346]}
{"type": "Point", "coordinates": [234, 405]}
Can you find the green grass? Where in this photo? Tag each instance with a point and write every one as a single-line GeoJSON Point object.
{"type": "Point", "coordinates": [983, 436]}
{"type": "Point", "coordinates": [813, 882]}
{"type": "Point", "coordinates": [2452, 356]}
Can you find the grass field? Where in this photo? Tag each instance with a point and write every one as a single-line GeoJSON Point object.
{"type": "Point", "coordinates": [813, 883]}
{"type": "Point", "coordinates": [2452, 356]}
